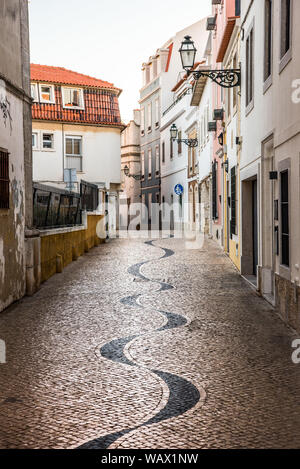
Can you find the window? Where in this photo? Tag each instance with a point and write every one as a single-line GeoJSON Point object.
{"type": "Point", "coordinates": [47, 94]}
{"type": "Point", "coordinates": [285, 41]}
{"type": "Point", "coordinates": [157, 113]}
{"type": "Point", "coordinates": [149, 163]}
{"type": "Point", "coordinates": [143, 164]}
{"type": "Point", "coordinates": [143, 121]}
{"type": "Point", "coordinates": [233, 202]}
{"type": "Point", "coordinates": [268, 39]}
{"type": "Point", "coordinates": [179, 142]}
{"type": "Point", "coordinates": [149, 117]}
{"type": "Point", "coordinates": [285, 235]}
{"type": "Point", "coordinates": [34, 140]}
{"type": "Point", "coordinates": [48, 141]}
{"type": "Point", "coordinates": [190, 161]}
{"type": "Point", "coordinates": [157, 160]}
{"type": "Point", "coordinates": [163, 152]}
{"type": "Point", "coordinates": [34, 92]}
{"type": "Point", "coordinates": [74, 153]}
{"type": "Point", "coordinates": [249, 69]}
{"type": "Point", "coordinates": [235, 89]}
{"type": "Point", "coordinates": [4, 179]}
{"type": "Point", "coordinates": [73, 97]}
{"type": "Point", "coordinates": [214, 191]}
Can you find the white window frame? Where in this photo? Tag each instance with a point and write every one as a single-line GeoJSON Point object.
{"type": "Point", "coordinates": [157, 113]}
{"type": "Point", "coordinates": [143, 164]}
{"type": "Point", "coordinates": [42, 141]}
{"type": "Point", "coordinates": [149, 117]}
{"type": "Point", "coordinates": [149, 162]}
{"type": "Point", "coordinates": [36, 146]}
{"type": "Point", "coordinates": [74, 137]}
{"type": "Point", "coordinates": [35, 95]}
{"type": "Point", "coordinates": [157, 160]}
{"type": "Point", "coordinates": [142, 121]}
{"type": "Point", "coordinates": [73, 88]}
{"type": "Point", "coordinates": [52, 93]}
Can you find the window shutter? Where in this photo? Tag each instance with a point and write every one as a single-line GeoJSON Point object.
{"type": "Point", "coordinates": [214, 191]}
{"type": "Point", "coordinates": [233, 202]}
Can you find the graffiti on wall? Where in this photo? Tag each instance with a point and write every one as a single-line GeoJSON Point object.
{"type": "Point", "coordinates": [5, 107]}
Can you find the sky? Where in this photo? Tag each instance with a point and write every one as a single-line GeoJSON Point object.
{"type": "Point", "coordinates": [108, 39]}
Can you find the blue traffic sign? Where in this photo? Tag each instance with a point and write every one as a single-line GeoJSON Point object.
{"type": "Point", "coordinates": [178, 189]}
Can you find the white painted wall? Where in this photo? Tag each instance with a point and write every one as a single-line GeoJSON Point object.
{"type": "Point", "coordinates": [101, 162]}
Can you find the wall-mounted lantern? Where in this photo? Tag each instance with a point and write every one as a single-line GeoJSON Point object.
{"type": "Point", "coordinates": [228, 78]}
{"type": "Point", "coordinates": [191, 142]}
{"type": "Point", "coordinates": [137, 177]}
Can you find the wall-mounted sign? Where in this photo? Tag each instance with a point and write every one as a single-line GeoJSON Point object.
{"type": "Point", "coordinates": [178, 189]}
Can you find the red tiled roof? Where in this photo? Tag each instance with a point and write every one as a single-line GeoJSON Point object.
{"type": "Point", "coordinates": [46, 73]}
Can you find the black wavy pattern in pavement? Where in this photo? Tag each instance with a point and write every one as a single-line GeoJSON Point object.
{"type": "Point", "coordinates": [183, 395]}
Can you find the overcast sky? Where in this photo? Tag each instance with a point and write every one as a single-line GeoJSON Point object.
{"type": "Point", "coordinates": [108, 39]}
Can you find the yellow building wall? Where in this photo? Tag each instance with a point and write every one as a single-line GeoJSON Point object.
{"type": "Point", "coordinates": [60, 249]}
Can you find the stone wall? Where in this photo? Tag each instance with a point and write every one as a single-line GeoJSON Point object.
{"type": "Point", "coordinates": [288, 301]}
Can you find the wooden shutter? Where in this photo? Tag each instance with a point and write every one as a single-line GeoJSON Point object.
{"type": "Point", "coordinates": [4, 179]}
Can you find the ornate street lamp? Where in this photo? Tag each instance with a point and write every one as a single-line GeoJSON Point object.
{"type": "Point", "coordinates": [137, 177]}
{"type": "Point", "coordinates": [228, 78]}
{"type": "Point", "coordinates": [190, 142]}
{"type": "Point", "coordinates": [187, 53]}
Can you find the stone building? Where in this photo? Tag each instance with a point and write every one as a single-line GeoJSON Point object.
{"type": "Point", "coordinates": [130, 158]}
{"type": "Point", "coordinates": [15, 156]}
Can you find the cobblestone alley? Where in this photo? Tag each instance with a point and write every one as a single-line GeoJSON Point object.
{"type": "Point", "coordinates": [147, 345]}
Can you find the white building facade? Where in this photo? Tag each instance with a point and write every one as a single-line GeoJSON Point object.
{"type": "Point", "coordinates": [76, 125]}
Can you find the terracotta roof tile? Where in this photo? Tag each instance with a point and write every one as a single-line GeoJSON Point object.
{"type": "Point", "coordinates": [60, 75]}
{"type": "Point", "coordinates": [101, 106]}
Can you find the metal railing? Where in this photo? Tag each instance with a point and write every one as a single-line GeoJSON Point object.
{"type": "Point", "coordinates": [89, 196]}
{"type": "Point", "coordinates": [55, 208]}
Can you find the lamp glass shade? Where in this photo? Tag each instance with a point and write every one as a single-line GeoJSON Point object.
{"type": "Point", "coordinates": [187, 53]}
{"type": "Point", "coordinates": [173, 132]}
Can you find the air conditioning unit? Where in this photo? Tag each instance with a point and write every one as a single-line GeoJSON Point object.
{"type": "Point", "coordinates": [211, 23]}
{"type": "Point", "coordinates": [212, 126]}
{"type": "Point", "coordinates": [218, 114]}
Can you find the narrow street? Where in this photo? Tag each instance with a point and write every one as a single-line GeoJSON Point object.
{"type": "Point", "coordinates": [147, 345]}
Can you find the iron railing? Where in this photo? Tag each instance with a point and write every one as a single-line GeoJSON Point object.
{"type": "Point", "coordinates": [55, 208]}
{"type": "Point", "coordinates": [89, 196]}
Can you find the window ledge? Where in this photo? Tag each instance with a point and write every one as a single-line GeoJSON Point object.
{"type": "Point", "coordinates": [250, 107]}
{"type": "Point", "coordinates": [76, 108]}
{"type": "Point", "coordinates": [46, 102]}
{"type": "Point", "coordinates": [285, 60]}
{"type": "Point", "coordinates": [267, 84]}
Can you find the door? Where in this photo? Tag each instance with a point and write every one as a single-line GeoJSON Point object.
{"type": "Point", "coordinates": [228, 215]}
{"type": "Point", "coordinates": [255, 226]}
